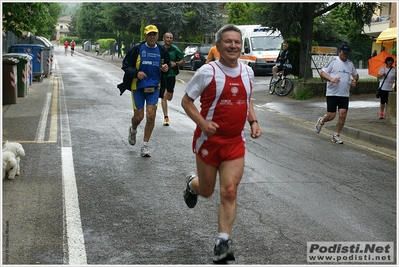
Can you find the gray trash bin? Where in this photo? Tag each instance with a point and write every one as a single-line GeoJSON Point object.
{"type": "Point", "coordinates": [87, 46]}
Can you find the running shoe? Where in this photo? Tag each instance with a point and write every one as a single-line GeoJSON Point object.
{"type": "Point", "coordinates": [222, 252]}
{"type": "Point", "coordinates": [132, 136]}
{"type": "Point", "coordinates": [145, 152]}
{"type": "Point", "coordinates": [336, 139]}
{"type": "Point", "coordinates": [318, 125]}
{"type": "Point", "coordinates": [189, 196]}
{"type": "Point", "coordinates": [166, 122]}
{"type": "Point", "coordinates": [381, 116]}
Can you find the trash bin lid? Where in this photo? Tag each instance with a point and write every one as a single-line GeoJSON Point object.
{"type": "Point", "coordinates": [28, 56]}
{"type": "Point", "coordinates": [37, 40]}
{"type": "Point", "coordinates": [21, 57]}
{"type": "Point", "coordinates": [36, 46]}
{"type": "Point", "coordinates": [10, 61]}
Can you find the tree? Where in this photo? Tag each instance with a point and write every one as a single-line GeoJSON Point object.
{"type": "Point", "coordinates": [187, 21]}
{"type": "Point", "coordinates": [239, 13]}
{"type": "Point", "coordinates": [48, 27]}
{"type": "Point", "coordinates": [297, 20]}
{"type": "Point", "coordinates": [37, 18]}
{"type": "Point", "coordinates": [90, 23]}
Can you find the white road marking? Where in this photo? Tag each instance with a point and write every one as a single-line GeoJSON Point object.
{"type": "Point", "coordinates": [73, 224]}
{"type": "Point", "coordinates": [41, 129]}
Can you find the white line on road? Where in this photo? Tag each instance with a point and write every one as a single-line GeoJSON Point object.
{"type": "Point", "coordinates": [73, 224]}
{"type": "Point", "coordinates": [41, 129]}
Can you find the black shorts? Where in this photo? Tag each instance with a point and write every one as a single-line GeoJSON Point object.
{"type": "Point", "coordinates": [384, 97]}
{"type": "Point", "coordinates": [167, 83]}
{"type": "Point", "coordinates": [72, 48]}
{"type": "Point", "coordinates": [333, 102]}
{"type": "Point", "coordinates": [279, 67]}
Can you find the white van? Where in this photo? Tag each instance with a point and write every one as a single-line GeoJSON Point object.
{"type": "Point", "coordinates": [260, 47]}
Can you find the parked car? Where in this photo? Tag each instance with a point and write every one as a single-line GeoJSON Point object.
{"type": "Point", "coordinates": [195, 56]}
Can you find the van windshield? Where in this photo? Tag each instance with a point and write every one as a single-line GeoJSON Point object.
{"type": "Point", "coordinates": [266, 43]}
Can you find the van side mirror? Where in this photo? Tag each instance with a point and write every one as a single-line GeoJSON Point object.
{"type": "Point", "coordinates": [247, 50]}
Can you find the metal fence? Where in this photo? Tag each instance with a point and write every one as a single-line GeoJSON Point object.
{"type": "Point", "coordinates": [9, 39]}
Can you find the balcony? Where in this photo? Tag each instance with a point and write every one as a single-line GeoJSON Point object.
{"type": "Point", "coordinates": [378, 24]}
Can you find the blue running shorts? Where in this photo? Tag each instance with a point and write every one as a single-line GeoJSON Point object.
{"type": "Point", "coordinates": [139, 98]}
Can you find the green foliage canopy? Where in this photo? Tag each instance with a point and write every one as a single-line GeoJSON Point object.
{"type": "Point", "coordinates": [297, 20]}
{"type": "Point", "coordinates": [37, 18]}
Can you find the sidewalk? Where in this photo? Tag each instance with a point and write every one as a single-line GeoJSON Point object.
{"type": "Point", "coordinates": [362, 121]}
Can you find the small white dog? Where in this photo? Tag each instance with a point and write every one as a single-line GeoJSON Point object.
{"type": "Point", "coordinates": [18, 151]}
{"type": "Point", "coordinates": [9, 165]}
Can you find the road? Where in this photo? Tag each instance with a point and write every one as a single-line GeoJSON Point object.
{"type": "Point", "coordinates": [85, 196]}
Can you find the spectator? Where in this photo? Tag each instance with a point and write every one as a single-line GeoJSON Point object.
{"type": "Point", "coordinates": [387, 77]}
{"type": "Point", "coordinates": [283, 58]}
{"type": "Point", "coordinates": [213, 54]}
{"type": "Point", "coordinates": [123, 50]}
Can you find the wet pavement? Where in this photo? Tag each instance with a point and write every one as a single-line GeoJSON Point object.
{"type": "Point", "coordinates": [362, 122]}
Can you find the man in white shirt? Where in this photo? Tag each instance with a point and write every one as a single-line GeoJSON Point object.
{"type": "Point", "coordinates": [340, 74]}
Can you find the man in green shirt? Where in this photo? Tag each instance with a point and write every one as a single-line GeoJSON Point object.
{"type": "Point", "coordinates": [168, 82]}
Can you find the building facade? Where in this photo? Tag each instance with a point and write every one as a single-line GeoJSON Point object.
{"type": "Point", "coordinates": [62, 26]}
{"type": "Point", "coordinates": [383, 24]}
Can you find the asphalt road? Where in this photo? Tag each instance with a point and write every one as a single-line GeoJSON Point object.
{"type": "Point", "coordinates": [85, 196]}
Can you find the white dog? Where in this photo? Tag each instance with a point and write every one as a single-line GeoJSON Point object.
{"type": "Point", "coordinates": [9, 165]}
{"type": "Point", "coordinates": [17, 150]}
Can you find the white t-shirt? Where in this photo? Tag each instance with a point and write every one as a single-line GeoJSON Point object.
{"type": "Point", "coordinates": [389, 80]}
{"type": "Point", "coordinates": [204, 75]}
{"type": "Point", "coordinates": [342, 69]}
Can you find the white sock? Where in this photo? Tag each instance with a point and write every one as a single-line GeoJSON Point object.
{"type": "Point", "coordinates": [221, 236]}
{"type": "Point", "coordinates": [145, 143]}
{"type": "Point", "coordinates": [191, 189]}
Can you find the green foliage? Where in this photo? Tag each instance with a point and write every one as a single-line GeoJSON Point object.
{"type": "Point", "coordinates": [303, 93]}
{"type": "Point", "coordinates": [77, 39]}
{"type": "Point", "coordinates": [297, 20]}
{"type": "Point", "coordinates": [106, 43]}
{"type": "Point", "coordinates": [394, 51]}
{"type": "Point", "coordinates": [37, 18]}
{"type": "Point", "coordinates": [191, 21]}
{"type": "Point", "coordinates": [239, 13]}
{"type": "Point", "coordinates": [90, 21]}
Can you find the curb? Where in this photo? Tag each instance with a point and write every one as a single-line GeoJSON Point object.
{"type": "Point", "coordinates": [369, 137]}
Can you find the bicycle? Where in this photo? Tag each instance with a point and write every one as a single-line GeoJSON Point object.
{"type": "Point", "coordinates": [283, 86]}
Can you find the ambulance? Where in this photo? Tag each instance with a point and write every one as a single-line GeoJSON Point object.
{"type": "Point", "coordinates": [260, 47]}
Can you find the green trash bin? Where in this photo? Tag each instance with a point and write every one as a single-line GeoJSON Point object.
{"type": "Point", "coordinates": [10, 93]}
{"type": "Point", "coordinates": [22, 72]}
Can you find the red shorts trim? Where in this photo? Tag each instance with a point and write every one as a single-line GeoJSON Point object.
{"type": "Point", "coordinates": [215, 154]}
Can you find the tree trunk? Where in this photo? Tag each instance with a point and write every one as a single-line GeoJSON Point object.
{"type": "Point", "coordinates": [306, 39]}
